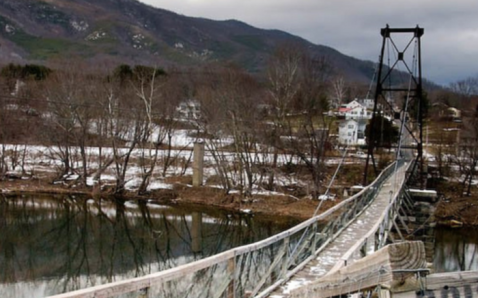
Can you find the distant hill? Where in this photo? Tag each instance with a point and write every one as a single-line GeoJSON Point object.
{"type": "Point", "coordinates": [128, 31]}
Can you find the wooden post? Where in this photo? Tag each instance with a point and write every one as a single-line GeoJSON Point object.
{"type": "Point", "coordinates": [285, 263]}
{"type": "Point", "coordinates": [196, 236]}
{"type": "Point", "coordinates": [198, 164]}
{"type": "Point", "coordinates": [314, 238]}
{"type": "Point", "coordinates": [384, 294]}
{"type": "Point", "coordinates": [231, 269]}
{"type": "Point", "coordinates": [370, 246]}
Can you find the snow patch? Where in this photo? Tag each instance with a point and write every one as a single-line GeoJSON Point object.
{"type": "Point", "coordinates": [80, 26]}
{"type": "Point", "coordinates": [153, 205]}
{"type": "Point", "coordinates": [131, 204]}
{"type": "Point", "coordinates": [96, 35]}
{"type": "Point", "coordinates": [294, 284]}
{"type": "Point", "coordinates": [9, 29]}
{"type": "Point", "coordinates": [159, 185]}
{"type": "Point", "coordinates": [133, 184]}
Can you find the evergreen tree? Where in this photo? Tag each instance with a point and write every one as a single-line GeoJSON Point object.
{"type": "Point", "coordinates": [384, 133]}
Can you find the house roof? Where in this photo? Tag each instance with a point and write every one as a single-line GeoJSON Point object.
{"type": "Point", "coordinates": [344, 109]}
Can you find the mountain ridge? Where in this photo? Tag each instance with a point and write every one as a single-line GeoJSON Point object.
{"type": "Point", "coordinates": [132, 32]}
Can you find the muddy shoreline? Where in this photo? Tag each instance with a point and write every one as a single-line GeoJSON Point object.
{"type": "Point", "coordinates": [451, 211]}
{"type": "Point", "coordinates": [279, 205]}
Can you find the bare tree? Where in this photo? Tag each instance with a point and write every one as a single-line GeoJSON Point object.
{"type": "Point", "coordinates": [231, 126]}
{"type": "Point", "coordinates": [71, 98]}
{"type": "Point", "coordinates": [468, 160]}
{"type": "Point", "coordinates": [467, 87]}
{"type": "Point", "coordinates": [339, 91]}
{"type": "Point", "coordinates": [149, 93]}
{"type": "Point", "coordinates": [125, 126]}
{"type": "Point", "coordinates": [130, 108]}
{"type": "Point", "coordinates": [19, 109]}
{"type": "Point", "coordinates": [5, 123]}
{"type": "Point", "coordinates": [101, 127]}
{"type": "Point", "coordinates": [59, 131]}
{"type": "Point", "coordinates": [214, 111]}
{"type": "Point", "coordinates": [172, 91]}
{"type": "Point", "coordinates": [299, 87]}
{"type": "Point", "coordinates": [284, 82]}
{"type": "Point", "coordinates": [245, 127]}
{"type": "Point", "coordinates": [467, 140]}
{"type": "Point", "coordinates": [442, 158]}
{"type": "Point", "coordinates": [311, 129]}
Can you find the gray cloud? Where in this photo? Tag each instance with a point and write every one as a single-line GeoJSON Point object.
{"type": "Point", "coordinates": [449, 46]}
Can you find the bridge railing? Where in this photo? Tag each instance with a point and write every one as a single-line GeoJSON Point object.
{"type": "Point", "coordinates": [253, 270]}
{"type": "Point", "coordinates": [376, 237]}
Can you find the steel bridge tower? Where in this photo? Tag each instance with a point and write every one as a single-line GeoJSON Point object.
{"type": "Point", "coordinates": [399, 95]}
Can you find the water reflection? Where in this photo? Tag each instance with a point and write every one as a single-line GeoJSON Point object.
{"type": "Point", "coordinates": [50, 245]}
{"type": "Point", "coordinates": [456, 250]}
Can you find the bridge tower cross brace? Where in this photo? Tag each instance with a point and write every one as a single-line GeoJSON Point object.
{"type": "Point", "coordinates": [414, 99]}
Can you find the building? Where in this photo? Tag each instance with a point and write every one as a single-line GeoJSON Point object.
{"type": "Point", "coordinates": [355, 117]}
{"type": "Point", "coordinates": [352, 132]}
{"type": "Point", "coordinates": [454, 114]}
{"type": "Point", "coordinates": [368, 103]}
{"type": "Point", "coordinates": [189, 109]}
{"type": "Point", "coordinates": [354, 110]}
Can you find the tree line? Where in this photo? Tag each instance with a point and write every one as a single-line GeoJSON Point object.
{"type": "Point", "coordinates": [96, 118]}
{"type": "Point", "coordinates": [124, 109]}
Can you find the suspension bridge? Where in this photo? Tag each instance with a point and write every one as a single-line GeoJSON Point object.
{"type": "Point", "coordinates": [355, 247]}
{"type": "Point", "coordinates": [345, 250]}
{"type": "Point", "coordinates": [349, 248]}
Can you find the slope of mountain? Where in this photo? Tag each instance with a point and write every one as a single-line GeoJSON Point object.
{"type": "Point", "coordinates": [128, 31]}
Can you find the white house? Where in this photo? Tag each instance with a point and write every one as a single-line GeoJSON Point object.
{"type": "Point", "coordinates": [354, 110]}
{"type": "Point", "coordinates": [352, 132]}
{"type": "Point", "coordinates": [352, 129]}
{"type": "Point", "coordinates": [189, 109]}
{"type": "Point", "coordinates": [367, 102]}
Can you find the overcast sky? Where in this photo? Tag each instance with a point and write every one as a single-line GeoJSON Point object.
{"type": "Point", "coordinates": [449, 45]}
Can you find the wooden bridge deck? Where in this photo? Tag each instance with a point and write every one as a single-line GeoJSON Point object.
{"type": "Point", "coordinates": [358, 229]}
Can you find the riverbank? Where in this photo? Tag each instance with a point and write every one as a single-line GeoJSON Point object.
{"type": "Point", "coordinates": [451, 210]}
{"type": "Point", "coordinates": [457, 211]}
{"type": "Point", "coordinates": [269, 204]}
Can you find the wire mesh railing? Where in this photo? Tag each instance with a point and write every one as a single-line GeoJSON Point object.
{"type": "Point", "coordinates": [253, 270]}
{"type": "Point", "coordinates": [378, 235]}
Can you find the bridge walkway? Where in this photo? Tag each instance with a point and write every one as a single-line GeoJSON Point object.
{"type": "Point", "coordinates": [354, 233]}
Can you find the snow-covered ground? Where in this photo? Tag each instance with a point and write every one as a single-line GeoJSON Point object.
{"type": "Point", "coordinates": [40, 161]}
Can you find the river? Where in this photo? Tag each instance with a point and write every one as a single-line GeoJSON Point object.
{"type": "Point", "coordinates": [54, 244]}
{"type": "Point", "coordinates": [51, 244]}
{"type": "Point", "coordinates": [455, 249]}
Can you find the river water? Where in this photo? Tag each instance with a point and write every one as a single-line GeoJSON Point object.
{"type": "Point", "coordinates": [55, 244]}
{"type": "Point", "coordinates": [455, 249]}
